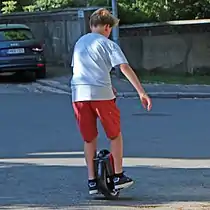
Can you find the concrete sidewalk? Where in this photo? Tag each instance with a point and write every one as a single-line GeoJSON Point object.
{"type": "Point", "coordinates": [125, 89]}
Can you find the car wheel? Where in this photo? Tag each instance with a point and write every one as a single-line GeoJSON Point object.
{"type": "Point", "coordinates": [41, 73]}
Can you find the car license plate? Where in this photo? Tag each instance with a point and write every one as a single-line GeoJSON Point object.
{"type": "Point", "coordinates": [16, 51]}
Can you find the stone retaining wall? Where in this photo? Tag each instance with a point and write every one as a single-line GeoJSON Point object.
{"type": "Point", "coordinates": [175, 46]}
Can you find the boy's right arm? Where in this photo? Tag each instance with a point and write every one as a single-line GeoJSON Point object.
{"type": "Point", "coordinates": [117, 58]}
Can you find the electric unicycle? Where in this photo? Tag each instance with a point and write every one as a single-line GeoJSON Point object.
{"type": "Point", "coordinates": [104, 170]}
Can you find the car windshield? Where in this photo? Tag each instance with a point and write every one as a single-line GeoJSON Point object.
{"type": "Point", "coordinates": [15, 35]}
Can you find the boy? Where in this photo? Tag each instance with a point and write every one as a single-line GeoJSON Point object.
{"type": "Point", "coordinates": [93, 96]}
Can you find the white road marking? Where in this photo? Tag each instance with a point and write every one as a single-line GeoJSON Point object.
{"type": "Point", "coordinates": [127, 162]}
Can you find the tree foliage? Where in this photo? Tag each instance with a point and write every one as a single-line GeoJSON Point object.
{"type": "Point", "coordinates": [34, 5]}
{"type": "Point", "coordinates": [136, 11]}
{"type": "Point", "coordinates": [130, 11]}
{"type": "Point", "coordinates": [162, 10]}
{"type": "Point", "coordinates": [8, 7]}
{"type": "Point", "coordinates": [43, 5]}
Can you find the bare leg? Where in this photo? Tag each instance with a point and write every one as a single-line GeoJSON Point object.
{"type": "Point", "coordinates": [117, 152]}
{"type": "Point", "coordinates": [120, 181]}
{"type": "Point", "coordinates": [90, 149]}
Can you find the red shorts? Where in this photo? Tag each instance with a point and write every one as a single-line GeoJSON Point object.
{"type": "Point", "coordinates": [87, 112]}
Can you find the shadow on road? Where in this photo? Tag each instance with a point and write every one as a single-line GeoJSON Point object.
{"type": "Point", "coordinates": [38, 185]}
{"type": "Point", "coordinates": [27, 77]}
{"type": "Point", "coordinates": [16, 78]}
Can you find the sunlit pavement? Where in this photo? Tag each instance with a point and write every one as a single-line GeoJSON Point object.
{"type": "Point", "coordinates": [41, 155]}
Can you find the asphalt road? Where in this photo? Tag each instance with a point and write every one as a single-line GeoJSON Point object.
{"type": "Point", "coordinates": [41, 153]}
{"type": "Point", "coordinates": [13, 84]}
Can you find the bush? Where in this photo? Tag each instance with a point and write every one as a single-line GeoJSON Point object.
{"type": "Point", "coordinates": [29, 8]}
{"type": "Point", "coordinates": [98, 3]}
{"type": "Point", "coordinates": [53, 4]}
{"type": "Point", "coordinates": [129, 14]}
{"type": "Point", "coordinates": [137, 11]}
{"type": "Point", "coordinates": [166, 10]}
{"type": "Point", "coordinates": [42, 5]}
{"type": "Point", "coordinates": [8, 7]}
{"type": "Point", "coordinates": [130, 11]}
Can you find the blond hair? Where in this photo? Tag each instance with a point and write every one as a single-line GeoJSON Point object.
{"type": "Point", "coordinates": [102, 16]}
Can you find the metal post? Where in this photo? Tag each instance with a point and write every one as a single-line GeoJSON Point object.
{"type": "Point", "coordinates": [115, 31]}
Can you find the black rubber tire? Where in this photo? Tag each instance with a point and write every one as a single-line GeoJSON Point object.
{"type": "Point", "coordinates": [102, 182]}
{"type": "Point", "coordinates": [41, 73]}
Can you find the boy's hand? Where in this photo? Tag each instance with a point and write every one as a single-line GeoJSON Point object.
{"type": "Point", "coordinates": [146, 101]}
{"type": "Point", "coordinates": [115, 91]}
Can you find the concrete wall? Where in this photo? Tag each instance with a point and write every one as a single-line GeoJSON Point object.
{"type": "Point", "coordinates": [176, 46]}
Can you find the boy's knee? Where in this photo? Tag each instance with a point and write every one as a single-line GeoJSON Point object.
{"type": "Point", "coordinates": [90, 139]}
{"type": "Point", "coordinates": [115, 137]}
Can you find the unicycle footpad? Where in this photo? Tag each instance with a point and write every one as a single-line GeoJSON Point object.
{"type": "Point", "coordinates": [104, 169]}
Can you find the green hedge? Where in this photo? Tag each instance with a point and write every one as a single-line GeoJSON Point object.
{"type": "Point", "coordinates": [137, 11]}
{"type": "Point", "coordinates": [130, 11]}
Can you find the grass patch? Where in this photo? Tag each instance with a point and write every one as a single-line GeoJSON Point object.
{"type": "Point", "coordinates": [167, 78]}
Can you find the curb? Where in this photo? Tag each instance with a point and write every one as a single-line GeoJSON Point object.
{"type": "Point", "coordinates": [167, 95]}
{"type": "Point", "coordinates": [132, 94]}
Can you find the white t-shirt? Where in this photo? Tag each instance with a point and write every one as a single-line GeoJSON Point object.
{"type": "Point", "coordinates": [93, 58]}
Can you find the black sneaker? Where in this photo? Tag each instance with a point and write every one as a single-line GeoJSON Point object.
{"type": "Point", "coordinates": [122, 181]}
{"type": "Point", "coordinates": [93, 188]}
